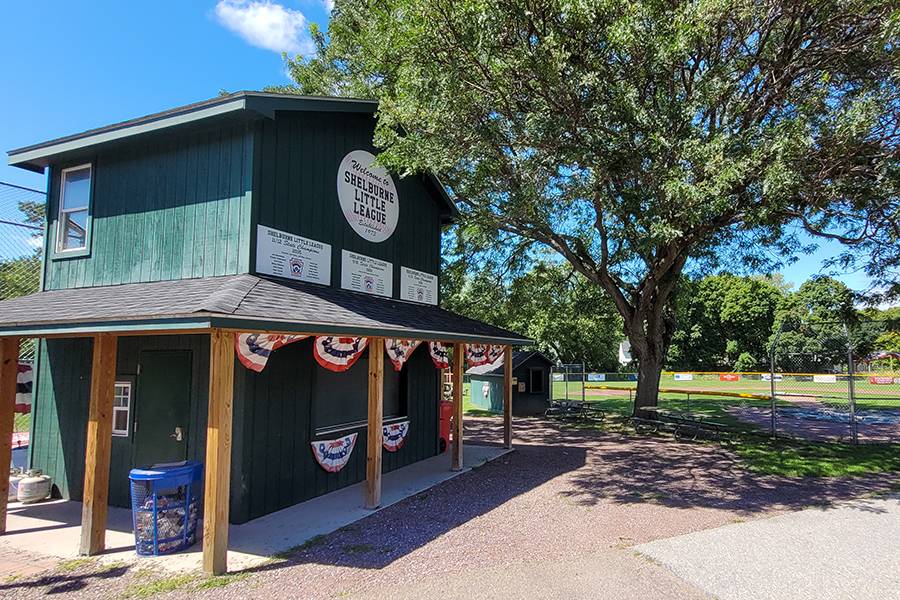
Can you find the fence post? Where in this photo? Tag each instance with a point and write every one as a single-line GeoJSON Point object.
{"type": "Point", "coordinates": [851, 387]}
{"type": "Point", "coordinates": [583, 382]}
{"type": "Point", "coordinates": [772, 378]}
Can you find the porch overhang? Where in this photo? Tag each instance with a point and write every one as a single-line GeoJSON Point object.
{"type": "Point", "coordinates": [236, 303]}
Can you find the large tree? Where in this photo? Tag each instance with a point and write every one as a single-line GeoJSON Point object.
{"type": "Point", "coordinates": [570, 319]}
{"type": "Point", "coordinates": [636, 138]}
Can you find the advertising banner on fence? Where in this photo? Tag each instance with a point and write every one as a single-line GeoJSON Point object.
{"type": "Point", "coordinates": [768, 377]}
{"type": "Point", "coordinates": [881, 380]}
{"type": "Point", "coordinates": [596, 376]}
{"type": "Point", "coordinates": [729, 377]}
{"type": "Point", "coordinates": [684, 376]}
{"type": "Point", "coordinates": [824, 378]}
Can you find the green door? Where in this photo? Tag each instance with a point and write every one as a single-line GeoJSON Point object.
{"type": "Point", "coordinates": [163, 407]}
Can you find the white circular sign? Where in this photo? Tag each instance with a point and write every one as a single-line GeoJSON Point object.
{"type": "Point", "coordinates": [368, 196]}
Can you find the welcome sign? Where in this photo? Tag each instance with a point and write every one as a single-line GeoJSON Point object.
{"type": "Point", "coordinates": [368, 196]}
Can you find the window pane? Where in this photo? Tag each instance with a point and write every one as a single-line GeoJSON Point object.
{"type": "Point", "coordinates": [74, 230]}
{"type": "Point", "coordinates": [120, 420]}
{"type": "Point", "coordinates": [341, 398]}
{"type": "Point", "coordinates": [77, 189]}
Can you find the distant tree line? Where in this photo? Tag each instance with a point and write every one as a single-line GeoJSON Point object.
{"type": "Point", "coordinates": [724, 322]}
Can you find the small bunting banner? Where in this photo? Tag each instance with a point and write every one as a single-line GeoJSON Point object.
{"type": "Point", "coordinates": [393, 436]}
{"type": "Point", "coordinates": [440, 354]}
{"type": "Point", "coordinates": [399, 350]}
{"type": "Point", "coordinates": [482, 354]}
{"type": "Point", "coordinates": [332, 455]}
{"type": "Point", "coordinates": [24, 380]}
{"type": "Point", "coordinates": [254, 349]}
{"type": "Point", "coordinates": [338, 353]}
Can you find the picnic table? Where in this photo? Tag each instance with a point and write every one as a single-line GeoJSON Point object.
{"type": "Point", "coordinates": [574, 410]}
{"type": "Point", "coordinates": [683, 425]}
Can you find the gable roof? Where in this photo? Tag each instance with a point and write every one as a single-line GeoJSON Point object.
{"type": "Point", "coordinates": [247, 105]}
{"type": "Point", "coordinates": [242, 302]}
{"type": "Point", "coordinates": [519, 358]}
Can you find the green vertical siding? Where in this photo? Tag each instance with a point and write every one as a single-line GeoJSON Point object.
{"type": "Point", "coordinates": [60, 408]}
{"type": "Point", "coordinates": [296, 191]}
{"type": "Point", "coordinates": [273, 412]}
{"type": "Point", "coordinates": [168, 208]}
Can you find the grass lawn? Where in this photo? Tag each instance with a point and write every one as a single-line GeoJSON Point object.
{"type": "Point", "coordinates": [796, 458]}
{"type": "Point", "coordinates": [762, 454]}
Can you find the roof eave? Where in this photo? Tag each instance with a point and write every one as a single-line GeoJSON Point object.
{"type": "Point", "coordinates": [38, 156]}
{"type": "Point", "coordinates": [204, 322]}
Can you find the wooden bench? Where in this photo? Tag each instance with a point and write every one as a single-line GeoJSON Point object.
{"type": "Point", "coordinates": [682, 425]}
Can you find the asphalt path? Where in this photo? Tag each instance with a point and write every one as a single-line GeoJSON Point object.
{"type": "Point", "coordinates": [851, 550]}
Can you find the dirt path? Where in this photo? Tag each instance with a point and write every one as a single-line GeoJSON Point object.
{"type": "Point", "coordinates": [556, 518]}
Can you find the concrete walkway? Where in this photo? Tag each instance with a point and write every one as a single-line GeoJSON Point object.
{"type": "Point", "coordinates": [52, 529]}
{"type": "Point", "coordinates": [844, 552]}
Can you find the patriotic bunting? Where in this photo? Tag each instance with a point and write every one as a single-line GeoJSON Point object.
{"type": "Point", "coordinates": [394, 436]}
{"type": "Point", "coordinates": [24, 379]}
{"type": "Point", "coordinates": [338, 353]}
{"type": "Point", "coordinates": [399, 350]}
{"type": "Point", "coordinates": [482, 354]}
{"type": "Point", "coordinates": [440, 354]}
{"type": "Point", "coordinates": [254, 349]}
{"type": "Point", "coordinates": [332, 455]}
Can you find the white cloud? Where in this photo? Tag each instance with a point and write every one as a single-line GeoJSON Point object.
{"type": "Point", "coordinates": [266, 24]}
{"type": "Point", "coordinates": [329, 5]}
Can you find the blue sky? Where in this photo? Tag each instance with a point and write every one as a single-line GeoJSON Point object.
{"type": "Point", "coordinates": [71, 66]}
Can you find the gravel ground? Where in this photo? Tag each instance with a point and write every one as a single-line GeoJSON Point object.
{"type": "Point", "coordinates": [557, 518]}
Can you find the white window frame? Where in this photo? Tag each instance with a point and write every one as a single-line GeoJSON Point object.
{"type": "Point", "coordinates": [127, 409]}
{"type": "Point", "coordinates": [62, 212]}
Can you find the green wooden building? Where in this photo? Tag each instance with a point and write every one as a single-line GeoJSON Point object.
{"type": "Point", "coordinates": [531, 391]}
{"type": "Point", "coordinates": [170, 235]}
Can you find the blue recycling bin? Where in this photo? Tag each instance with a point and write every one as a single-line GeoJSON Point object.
{"type": "Point", "coordinates": [165, 507]}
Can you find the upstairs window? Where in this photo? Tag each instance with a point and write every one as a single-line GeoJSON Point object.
{"type": "Point", "coordinates": [74, 203]}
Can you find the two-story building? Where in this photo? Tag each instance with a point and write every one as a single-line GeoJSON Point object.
{"type": "Point", "coordinates": [221, 282]}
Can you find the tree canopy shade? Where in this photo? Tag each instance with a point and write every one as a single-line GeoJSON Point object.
{"type": "Point", "coordinates": [632, 137]}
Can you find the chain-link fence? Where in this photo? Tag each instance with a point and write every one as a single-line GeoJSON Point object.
{"type": "Point", "coordinates": [21, 241]}
{"type": "Point", "coordinates": [836, 381]}
{"type": "Point", "coordinates": [827, 381]}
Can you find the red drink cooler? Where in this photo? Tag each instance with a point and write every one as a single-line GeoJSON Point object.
{"type": "Point", "coordinates": [446, 412]}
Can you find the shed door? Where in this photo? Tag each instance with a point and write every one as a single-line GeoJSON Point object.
{"type": "Point", "coordinates": [163, 407]}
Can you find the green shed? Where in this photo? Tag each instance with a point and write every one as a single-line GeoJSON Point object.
{"type": "Point", "coordinates": [531, 384]}
{"type": "Point", "coordinates": [222, 282]}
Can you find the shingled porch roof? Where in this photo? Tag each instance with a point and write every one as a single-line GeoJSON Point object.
{"type": "Point", "coordinates": [238, 302]}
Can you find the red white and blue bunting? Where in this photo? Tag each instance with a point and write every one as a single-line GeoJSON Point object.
{"type": "Point", "coordinates": [332, 455]}
{"type": "Point", "coordinates": [24, 380]}
{"type": "Point", "coordinates": [393, 436]}
{"type": "Point", "coordinates": [338, 353]}
{"type": "Point", "coordinates": [399, 350]}
{"type": "Point", "coordinates": [254, 349]}
{"type": "Point", "coordinates": [440, 354]}
{"type": "Point", "coordinates": [482, 354]}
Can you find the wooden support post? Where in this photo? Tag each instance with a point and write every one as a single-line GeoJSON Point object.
{"type": "Point", "coordinates": [9, 361]}
{"type": "Point", "coordinates": [456, 459]}
{"type": "Point", "coordinates": [376, 416]}
{"type": "Point", "coordinates": [99, 441]}
{"type": "Point", "coordinates": [507, 397]}
{"type": "Point", "coordinates": [218, 452]}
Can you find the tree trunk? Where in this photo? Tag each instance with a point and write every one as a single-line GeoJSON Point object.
{"type": "Point", "coordinates": [647, 385]}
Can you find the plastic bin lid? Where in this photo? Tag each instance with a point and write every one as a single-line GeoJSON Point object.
{"type": "Point", "coordinates": [166, 471]}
